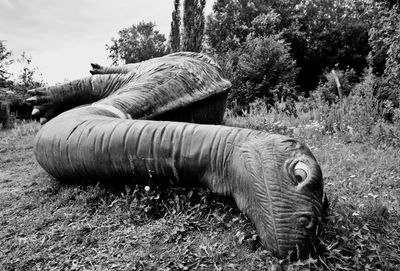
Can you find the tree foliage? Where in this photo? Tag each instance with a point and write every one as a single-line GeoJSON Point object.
{"type": "Point", "coordinates": [4, 62]}
{"type": "Point", "coordinates": [325, 34]}
{"type": "Point", "coordinates": [246, 38]}
{"type": "Point", "coordinates": [175, 35]}
{"type": "Point", "coordinates": [381, 36]}
{"type": "Point", "coordinates": [28, 76]}
{"type": "Point", "coordinates": [15, 93]}
{"type": "Point", "coordinates": [322, 34]}
{"type": "Point", "coordinates": [385, 54]}
{"type": "Point", "coordinates": [193, 25]}
{"type": "Point", "coordinates": [137, 43]}
{"type": "Point", "coordinates": [231, 22]}
{"type": "Point", "coordinates": [261, 69]}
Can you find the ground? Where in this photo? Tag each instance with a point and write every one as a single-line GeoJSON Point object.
{"type": "Point", "coordinates": [47, 225]}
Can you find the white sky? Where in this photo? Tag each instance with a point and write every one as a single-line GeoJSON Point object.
{"type": "Point", "coordinates": [65, 36]}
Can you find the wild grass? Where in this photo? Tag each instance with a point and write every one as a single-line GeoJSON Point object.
{"type": "Point", "coordinates": [47, 225]}
{"type": "Point", "coordinates": [359, 153]}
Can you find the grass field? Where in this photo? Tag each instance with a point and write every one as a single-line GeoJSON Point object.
{"type": "Point", "coordinates": [47, 225]}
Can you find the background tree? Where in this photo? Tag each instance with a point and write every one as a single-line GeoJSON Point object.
{"type": "Point", "coordinates": [385, 54]}
{"type": "Point", "coordinates": [4, 62]}
{"type": "Point", "coordinates": [193, 25]}
{"type": "Point", "coordinates": [175, 35]}
{"type": "Point", "coordinates": [324, 34]}
{"type": "Point", "coordinates": [381, 34]}
{"type": "Point", "coordinates": [321, 34]}
{"type": "Point", "coordinates": [230, 23]}
{"type": "Point", "coordinates": [246, 40]}
{"type": "Point", "coordinates": [262, 69]}
{"type": "Point", "coordinates": [137, 43]}
{"type": "Point", "coordinates": [29, 76]}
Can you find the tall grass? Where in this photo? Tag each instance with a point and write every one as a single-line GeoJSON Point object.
{"type": "Point", "coordinates": [356, 141]}
{"type": "Point", "coordinates": [53, 226]}
{"type": "Point", "coordinates": [359, 117]}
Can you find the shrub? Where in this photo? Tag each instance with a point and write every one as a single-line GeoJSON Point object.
{"type": "Point", "coordinates": [261, 69]}
{"type": "Point", "coordinates": [328, 89]}
{"type": "Point", "coordinates": [385, 54]}
{"type": "Point", "coordinates": [359, 117]}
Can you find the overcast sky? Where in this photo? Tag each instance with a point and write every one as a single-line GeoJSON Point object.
{"type": "Point", "coordinates": [65, 36]}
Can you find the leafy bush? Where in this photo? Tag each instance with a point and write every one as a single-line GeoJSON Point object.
{"type": "Point", "coordinates": [385, 54]}
{"type": "Point", "coordinates": [359, 117]}
{"type": "Point", "coordinates": [262, 69]}
{"type": "Point", "coordinates": [328, 88]}
{"type": "Point", "coordinates": [358, 153]}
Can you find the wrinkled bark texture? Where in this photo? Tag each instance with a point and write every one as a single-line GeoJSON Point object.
{"type": "Point", "coordinates": [124, 133]}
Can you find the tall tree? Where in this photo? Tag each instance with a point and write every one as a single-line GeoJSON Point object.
{"type": "Point", "coordinates": [28, 78]}
{"type": "Point", "coordinates": [137, 43]}
{"type": "Point", "coordinates": [4, 62]}
{"type": "Point", "coordinates": [231, 22]}
{"type": "Point", "coordinates": [175, 35]}
{"type": "Point", "coordinates": [193, 25]}
{"type": "Point", "coordinates": [328, 33]}
{"type": "Point", "coordinates": [381, 38]}
{"type": "Point", "coordinates": [384, 57]}
{"type": "Point", "coordinates": [320, 33]}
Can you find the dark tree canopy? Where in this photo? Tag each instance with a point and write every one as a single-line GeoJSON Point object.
{"type": "Point", "coordinates": [322, 34]}
{"type": "Point", "coordinates": [382, 36]}
{"type": "Point", "coordinates": [137, 43]}
{"type": "Point", "coordinates": [231, 22]}
{"type": "Point", "coordinates": [385, 54]}
{"type": "Point", "coordinates": [4, 62]}
{"type": "Point", "coordinates": [325, 34]}
{"type": "Point", "coordinates": [193, 25]}
{"type": "Point", "coordinates": [175, 35]}
{"type": "Point", "coordinates": [264, 69]}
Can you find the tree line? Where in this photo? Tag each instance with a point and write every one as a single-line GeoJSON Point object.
{"type": "Point", "coordinates": [142, 41]}
{"type": "Point", "coordinates": [13, 92]}
{"type": "Point", "coordinates": [276, 50]}
{"type": "Point", "coordinates": [271, 50]}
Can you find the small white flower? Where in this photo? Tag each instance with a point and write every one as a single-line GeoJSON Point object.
{"type": "Point", "coordinates": [147, 188]}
